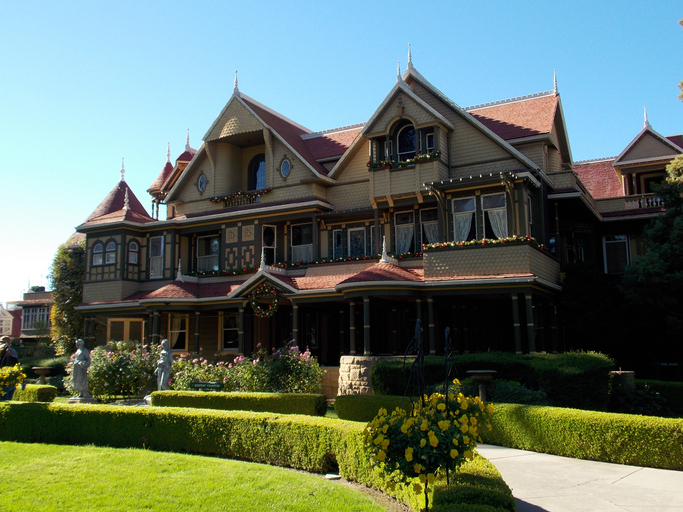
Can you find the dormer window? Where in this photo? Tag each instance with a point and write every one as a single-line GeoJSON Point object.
{"type": "Point", "coordinates": [110, 254]}
{"type": "Point", "coordinates": [256, 174]}
{"type": "Point", "coordinates": [97, 251]}
{"type": "Point", "coordinates": [405, 142]}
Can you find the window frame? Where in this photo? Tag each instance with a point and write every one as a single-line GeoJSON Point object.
{"type": "Point", "coordinates": [255, 171]}
{"type": "Point", "coordinates": [186, 319]}
{"type": "Point", "coordinates": [349, 233]}
{"type": "Point", "coordinates": [484, 217]}
{"type": "Point", "coordinates": [153, 259]}
{"type": "Point", "coordinates": [300, 247]}
{"type": "Point", "coordinates": [126, 328]}
{"type": "Point", "coordinates": [97, 255]}
{"type": "Point", "coordinates": [269, 248]}
{"type": "Point", "coordinates": [110, 253]}
{"type": "Point", "coordinates": [423, 239]}
{"type": "Point", "coordinates": [408, 154]}
{"type": "Point", "coordinates": [133, 252]}
{"type": "Point", "coordinates": [473, 212]}
{"type": "Point", "coordinates": [627, 252]}
{"type": "Point", "coordinates": [396, 228]}
{"type": "Point", "coordinates": [236, 329]}
{"type": "Point", "coordinates": [210, 258]}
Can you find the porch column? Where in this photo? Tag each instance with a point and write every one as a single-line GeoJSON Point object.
{"type": "Point", "coordinates": [240, 330]}
{"type": "Point", "coordinates": [196, 331]}
{"type": "Point", "coordinates": [553, 328]}
{"type": "Point", "coordinates": [530, 326]}
{"type": "Point", "coordinates": [150, 327]}
{"type": "Point", "coordinates": [352, 328]}
{"type": "Point", "coordinates": [315, 254]}
{"type": "Point", "coordinates": [342, 333]}
{"type": "Point", "coordinates": [295, 323]}
{"type": "Point", "coordinates": [86, 320]}
{"type": "Point", "coordinates": [516, 324]}
{"type": "Point", "coordinates": [366, 326]}
{"type": "Point", "coordinates": [377, 249]}
{"type": "Point", "coordinates": [91, 336]}
{"type": "Point", "coordinates": [431, 328]}
{"type": "Point", "coordinates": [155, 329]}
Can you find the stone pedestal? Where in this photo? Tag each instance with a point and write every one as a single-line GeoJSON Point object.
{"type": "Point", "coordinates": [624, 380]}
{"type": "Point", "coordinates": [354, 373]}
{"type": "Point", "coordinates": [81, 400]}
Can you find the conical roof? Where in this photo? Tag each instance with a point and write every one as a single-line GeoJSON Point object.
{"type": "Point", "coordinates": [116, 202]}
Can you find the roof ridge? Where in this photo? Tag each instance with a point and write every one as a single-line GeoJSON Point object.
{"type": "Point", "coordinates": [511, 100]}
{"type": "Point", "coordinates": [332, 130]}
{"type": "Point", "coordinates": [594, 160]}
{"type": "Point", "coordinates": [273, 112]}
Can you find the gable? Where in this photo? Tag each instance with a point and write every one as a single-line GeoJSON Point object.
{"type": "Point", "coordinates": [235, 119]}
{"type": "Point", "coordinates": [399, 107]}
{"type": "Point", "coordinates": [647, 147]}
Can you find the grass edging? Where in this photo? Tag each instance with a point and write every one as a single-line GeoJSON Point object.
{"type": "Point", "coordinates": [647, 441]}
{"type": "Point", "coordinates": [280, 403]}
{"type": "Point", "coordinates": [310, 443]}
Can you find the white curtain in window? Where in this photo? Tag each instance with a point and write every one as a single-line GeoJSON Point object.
{"type": "Point", "coordinates": [499, 222]}
{"type": "Point", "coordinates": [463, 224]}
{"type": "Point", "coordinates": [302, 252]}
{"type": "Point", "coordinates": [176, 326]}
{"type": "Point", "coordinates": [432, 232]}
{"type": "Point", "coordinates": [404, 237]}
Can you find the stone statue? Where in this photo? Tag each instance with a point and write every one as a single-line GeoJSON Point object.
{"type": "Point", "coordinates": [163, 371]}
{"type": "Point", "coordinates": [80, 369]}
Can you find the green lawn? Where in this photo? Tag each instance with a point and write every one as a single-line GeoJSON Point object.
{"type": "Point", "coordinates": [61, 478]}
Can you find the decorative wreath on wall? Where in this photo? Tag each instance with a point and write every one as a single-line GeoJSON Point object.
{"type": "Point", "coordinates": [264, 290]}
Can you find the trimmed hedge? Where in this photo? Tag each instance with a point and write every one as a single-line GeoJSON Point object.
{"type": "Point", "coordinates": [282, 403]}
{"type": "Point", "coordinates": [365, 407]}
{"type": "Point", "coordinates": [35, 393]}
{"type": "Point", "coordinates": [608, 437]}
{"type": "Point", "coordinates": [572, 379]}
{"type": "Point", "coordinates": [672, 392]}
{"type": "Point", "coordinates": [313, 444]}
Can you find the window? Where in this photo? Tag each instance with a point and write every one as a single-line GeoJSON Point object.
{"type": "Point", "coordinates": [177, 330]}
{"type": "Point", "coordinates": [338, 243]}
{"type": "Point", "coordinates": [616, 253]}
{"type": "Point", "coordinates": [495, 216]}
{"type": "Point", "coordinates": [257, 172]}
{"type": "Point", "coordinates": [133, 251]}
{"type": "Point", "coordinates": [207, 253]}
{"type": "Point", "coordinates": [125, 329]}
{"type": "Point", "coordinates": [35, 318]}
{"type": "Point", "coordinates": [302, 242]}
{"type": "Point", "coordinates": [405, 232]}
{"type": "Point", "coordinates": [97, 251]}
{"type": "Point", "coordinates": [373, 245]}
{"type": "Point", "coordinates": [230, 331]}
{"type": "Point", "coordinates": [269, 240]}
{"type": "Point", "coordinates": [285, 168]}
{"type": "Point", "coordinates": [356, 242]}
{"type": "Point", "coordinates": [429, 142]}
{"type": "Point", "coordinates": [156, 257]}
{"type": "Point", "coordinates": [430, 226]}
{"type": "Point", "coordinates": [405, 142]}
{"type": "Point", "coordinates": [464, 219]}
{"type": "Point", "coordinates": [110, 253]}
{"type": "Point", "coordinates": [201, 183]}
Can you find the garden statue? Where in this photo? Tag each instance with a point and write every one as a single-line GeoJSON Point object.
{"type": "Point", "coordinates": [80, 369]}
{"type": "Point", "coordinates": [163, 371]}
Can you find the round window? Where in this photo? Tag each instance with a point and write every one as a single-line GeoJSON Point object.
{"type": "Point", "coordinates": [201, 184]}
{"type": "Point", "coordinates": [285, 168]}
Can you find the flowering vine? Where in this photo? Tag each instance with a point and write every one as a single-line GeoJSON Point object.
{"type": "Point", "coordinates": [240, 195]}
{"type": "Point", "coordinates": [426, 157]}
{"type": "Point", "coordinates": [488, 241]}
{"type": "Point", "coordinates": [266, 290]}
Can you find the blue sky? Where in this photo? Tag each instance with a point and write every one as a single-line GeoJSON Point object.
{"type": "Point", "coordinates": [87, 83]}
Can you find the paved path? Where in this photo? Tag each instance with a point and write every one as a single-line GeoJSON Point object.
{"type": "Point", "coordinates": [542, 482]}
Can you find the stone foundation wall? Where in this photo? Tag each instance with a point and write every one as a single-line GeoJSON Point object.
{"type": "Point", "coordinates": [354, 374]}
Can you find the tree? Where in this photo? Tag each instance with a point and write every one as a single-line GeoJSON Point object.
{"type": "Point", "coordinates": [655, 280]}
{"type": "Point", "coordinates": [66, 275]}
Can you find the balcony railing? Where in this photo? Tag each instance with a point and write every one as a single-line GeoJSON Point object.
{"type": "Point", "coordinates": [642, 202]}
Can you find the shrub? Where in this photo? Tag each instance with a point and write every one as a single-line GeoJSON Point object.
{"type": "Point", "coordinates": [291, 403]}
{"type": "Point", "coordinates": [119, 369]}
{"type": "Point", "coordinates": [303, 442]}
{"type": "Point", "coordinates": [365, 407]}
{"type": "Point", "coordinates": [672, 392]}
{"type": "Point", "coordinates": [506, 392]}
{"type": "Point", "coordinates": [35, 393]}
{"type": "Point", "coordinates": [608, 437]}
{"type": "Point", "coordinates": [58, 364]}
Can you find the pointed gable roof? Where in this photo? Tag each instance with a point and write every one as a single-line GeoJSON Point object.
{"type": "Point", "coordinates": [121, 204]}
{"type": "Point", "coordinates": [648, 146]}
{"type": "Point", "coordinates": [161, 178]}
{"type": "Point", "coordinates": [383, 272]}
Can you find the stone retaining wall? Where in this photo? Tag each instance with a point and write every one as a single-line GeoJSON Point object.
{"type": "Point", "coordinates": [354, 374]}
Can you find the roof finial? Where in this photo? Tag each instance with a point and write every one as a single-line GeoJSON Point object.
{"type": "Point", "coordinates": [398, 71]}
{"type": "Point", "coordinates": [236, 88]}
{"type": "Point", "coordinates": [646, 124]}
{"type": "Point", "coordinates": [179, 273]}
{"type": "Point", "coordinates": [555, 81]}
{"type": "Point", "coordinates": [126, 202]}
{"type": "Point", "coordinates": [410, 58]}
{"type": "Point", "coordinates": [385, 255]}
{"type": "Point", "coordinates": [123, 169]}
{"type": "Point", "coordinates": [168, 153]}
{"type": "Point", "coordinates": [187, 141]}
{"type": "Point", "coordinates": [263, 259]}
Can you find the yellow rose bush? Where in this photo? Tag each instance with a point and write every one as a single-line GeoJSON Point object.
{"type": "Point", "coordinates": [436, 436]}
{"type": "Point", "coordinates": [11, 376]}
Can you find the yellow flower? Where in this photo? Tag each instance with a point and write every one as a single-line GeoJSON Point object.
{"type": "Point", "coordinates": [423, 442]}
{"type": "Point", "coordinates": [417, 488]}
{"type": "Point", "coordinates": [454, 453]}
{"type": "Point", "coordinates": [473, 421]}
{"type": "Point", "coordinates": [423, 478]}
{"type": "Point", "coordinates": [385, 444]}
{"type": "Point", "coordinates": [490, 408]}
{"type": "Point", "coordinates": [443, 425]}
{"type": "Point", "coordinates": [434, 441]}
{"type": "Point", "coordinates": [425, 425]}
{"type": "Point", "coordinates": [417, 468]}
{"type": "Point", "coordinates": [382, 411]}
{"type": "Point", "coordinates": [441, 407]}
{"type": "Point", "coordinates": [405, 427]}
{"type": "Point", "coordinates": [385, 428]}
{"type": "Point", "coordinates": [431, 478]}
{"type": "Point", "coordinates": [466, 440]}
{"type": "Point", "coordinates": [381, 455]}
{"type": "Point", "coordinates": [464, 406]}
{"type": "Point", "coordinates": [409, 454]}
{"type": "Point", "coordinates": [469, 454]}
{"type": "Point", "coordinates": [379, 439]}
{"type": "Point", "coordinates": [464, 419]}
{"type": "Point", "coordinates": [481, 405]}
{"type": "Point", "coordinates": [473, 431]}
{"type": "Point", "coordinates": [464, 429]}
{"type": "Point", "coordinates": [455, 442]}
{"type": "Point", "coordinates": [456, 381]}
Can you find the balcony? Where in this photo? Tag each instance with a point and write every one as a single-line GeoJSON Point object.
{"type": "Point", "coordinates": [629, 204]}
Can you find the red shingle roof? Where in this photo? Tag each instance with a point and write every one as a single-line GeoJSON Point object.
{"type": "Point", "coordinates": [181, 290]}
{"type": "Point", "coordinates": [114, 202]}
{"type": "Point", "coordinates": [520, 118]}
{"type": "Point", "coordinates": [600, 179]}
{"type": "Point", "coordinates": [331, 144]}
{"type": "Point", "coordinates": [383, 272]}
{"type": "Point", "coordinates": [676, 139]}
{"type": "Point", "coordinates": [161, 178]}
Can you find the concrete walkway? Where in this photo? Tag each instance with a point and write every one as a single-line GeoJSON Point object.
{"type": "Point", "coordinates": [542, 482]}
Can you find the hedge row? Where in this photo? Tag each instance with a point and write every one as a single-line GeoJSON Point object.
{"type": "Point", "coordinates": [281, 403]}
{"type": "Point", "coordinates": [35, 393]}
{"type": "Point", "coordinates": [365, 407]}
{"type": "Point", "coordinates": [647, 441]}
{"type": "Point", "coordinates": [672, 392]}
{"type": "Point", "coordinates": [304, 442]}
{"type": "Point", "coordinates": [572, 379]}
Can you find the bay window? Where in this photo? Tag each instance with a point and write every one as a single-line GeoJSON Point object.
{"type": "Point", "coordinates": [302, 242]}
{"type": "Point", "coordinates": [207, 253]}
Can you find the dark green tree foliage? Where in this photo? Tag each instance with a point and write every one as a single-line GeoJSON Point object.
{"type": "Point", "coordinates": [654, 281]}
{"type": "Point", "coordinates": [66, 276]}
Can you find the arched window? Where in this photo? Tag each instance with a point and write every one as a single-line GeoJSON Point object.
{"type": "Point", "coordinates": [110, 253]}
{"type": "Point", "coordinates": [133, 250]}
{"type": "Point", "coordinates": [97, 251]}
{"type": "Point", "coordinates": [257, 172]}
{"type": "Point", "coordinates": [405, 142]}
